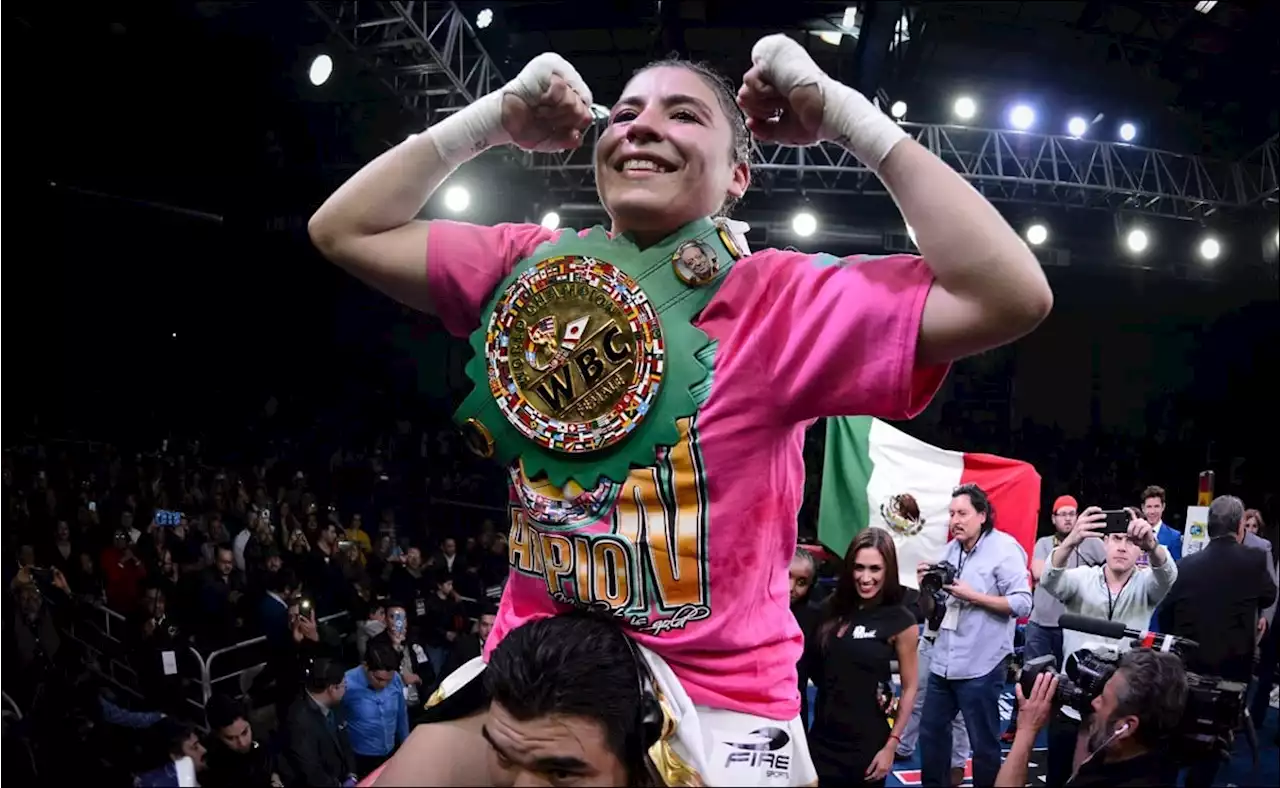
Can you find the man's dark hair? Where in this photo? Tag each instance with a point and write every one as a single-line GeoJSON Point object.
{"type": "Point", "coordinates": [1155, 691]}
{"type": "Point", "coordinates": [222, 711]}
{"type": "Point", "coordinates": [981, 503]}
{"type": "Point", "coordinates": [1153, 491]}
{"type": "Point", "coordinates": [323, 674]}
{"type": "Point", "coordinates": [577, 664]}
{"type": "Point", "coordinates": [1225, 514]}
{"type": "Point", "coordinates": [284, 580]}
{"type": "Point", "coordinates": [176, 735]}
{"type": "Point", "coordinates": [381, 655]}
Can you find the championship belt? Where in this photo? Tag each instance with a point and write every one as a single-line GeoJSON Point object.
{"type": "Point", "coordinates": [587, 353]}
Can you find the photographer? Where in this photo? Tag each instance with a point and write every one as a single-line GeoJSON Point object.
{"type": "Point", "coordinates": [973, 637]}
{"type": "Point", "coordinates": [1217, 601]}
{"type": "Point", "coordinates": [1116, 591]}
{"type": "Point", "coordinates": [1133, 719]}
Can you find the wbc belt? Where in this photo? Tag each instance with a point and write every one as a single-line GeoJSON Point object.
{"type": "Point", "coordinates": [587, 353]}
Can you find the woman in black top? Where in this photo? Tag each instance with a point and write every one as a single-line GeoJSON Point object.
{"type": "Point", "coordinates": [863, 626]}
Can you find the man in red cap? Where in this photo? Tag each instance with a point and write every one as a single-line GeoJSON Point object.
{"type": "Point", "coordinates": [1042, 635]}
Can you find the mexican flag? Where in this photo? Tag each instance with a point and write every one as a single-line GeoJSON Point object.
{"type": "Point", "coordinates": [872, 471]}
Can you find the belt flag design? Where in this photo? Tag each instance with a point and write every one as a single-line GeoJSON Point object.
{"type": "Point", "coordinates": [586, 353]}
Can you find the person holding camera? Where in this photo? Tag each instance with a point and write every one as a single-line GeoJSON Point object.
{"type": "Point", "coordinates": [1134, 717]}
{"type": "Point", "coordinates": [984, 574]}
{"type": "Point", "coordinates": [1116, 591]}
{"type": "Point", "coordinates": [1217, 602]}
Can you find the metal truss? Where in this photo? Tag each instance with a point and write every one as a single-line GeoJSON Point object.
{"type": "Point", "coordinates": [1003, 165]}
{"type": "Point", "coordinates": [426, 53]}
{"type": "Point", "coordinates": [1258, 174]}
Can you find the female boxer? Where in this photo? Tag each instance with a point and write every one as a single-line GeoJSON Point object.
{"type": "Point", "coordinates": [692, 551]}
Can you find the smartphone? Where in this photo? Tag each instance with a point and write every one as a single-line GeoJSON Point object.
{"type": "Point", "coordinates": [398, 622]}
{"type": "Point", "coordinates": [93, 506]}
{"type": "Point", "coordinates": [1117, 521]}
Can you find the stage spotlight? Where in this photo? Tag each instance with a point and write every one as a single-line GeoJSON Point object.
{"type": "Point", "coordinates": [1022, 117]}
{"type": "Point", "coordinates": [965, 108]}
{"type": "Point", "coordinates": [457, 198]}
{"type": "Point", "coordinates": [1076, 127]}
{"type": "Point", "coordinates": [551, 220]}
{"type": "Point", "coordinates": [1210, 249]}
{"type": "Point", "coordinates": [484, 18]}
{"type": "Point", "coordinates": [1128, 131]}
{"type": "Point", "coordinates": [321, 69]}
{"type": "Point", "coordinates": [804, 224]}
{"type": "Point", "coordinates": [1137, 241]}
{"type": "Point", "coordinates": [1037, 234]}
{"type": "Point", "coordinates": [898, 110]}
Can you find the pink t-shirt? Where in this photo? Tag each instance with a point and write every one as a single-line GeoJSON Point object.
{"type": "Point", "coordinates": [692, 553]}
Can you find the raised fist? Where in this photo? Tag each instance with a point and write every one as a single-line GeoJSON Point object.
{"type": "Point", "coordinates": [782, 93]}
{"type": "Point", "coordinates": [547, 106]}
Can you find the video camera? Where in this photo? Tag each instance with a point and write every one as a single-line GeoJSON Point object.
{"type": "Point", "coordinates": [1215, 706]}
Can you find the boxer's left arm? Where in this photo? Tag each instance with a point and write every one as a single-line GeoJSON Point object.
{"type": "Point", "coordinates": [990, 289]}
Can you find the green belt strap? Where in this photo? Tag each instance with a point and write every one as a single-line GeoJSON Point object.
{"type": "Point", "coordinates": [587, 352]}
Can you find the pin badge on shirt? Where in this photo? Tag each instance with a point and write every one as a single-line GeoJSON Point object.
{"type": "Point", "coordinates": [695, 263]}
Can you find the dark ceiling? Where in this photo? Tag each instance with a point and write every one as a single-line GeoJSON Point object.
{"type": "Point", "coordinates": [206, 104]}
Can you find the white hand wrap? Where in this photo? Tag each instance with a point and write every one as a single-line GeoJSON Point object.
{"type": "Point", "coordinates": [847, 117]}
{"type": "Point", "coordinates": [478, 127]}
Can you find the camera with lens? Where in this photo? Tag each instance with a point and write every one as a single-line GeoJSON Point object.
{"type": "Point", "coordinates": [936, 576]}
{"type": "Point", "coordinates": [1214, 709]}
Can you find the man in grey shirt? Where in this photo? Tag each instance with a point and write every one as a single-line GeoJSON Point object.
{"type": "Point", "coordinates": [1042, 633]}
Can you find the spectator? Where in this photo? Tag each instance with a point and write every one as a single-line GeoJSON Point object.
{"type": "Point", "coordinates": [411, 585]}
{"type": "Point", "coordinates": [235, 758]}
{"type": "Point", "coordinates": [35, 638]}
{"type": "Point", "coordinates": [185, 762]}
{"type": "Point", "coordinates": [355, 532]}
{"type": "Point", "coordinates": [124, 574]}
{"type": "Point", "coordinates": [324, 574]}
{"type": "Point", "coordinates": [447, 560]}
{"type": "Point", "coordinates": [61, 552]}
{"type": "Point", "coordinates": [440, 625]}
{"type": "Point", "coordinates": [221, 591]}
{"type": "Point", "coordinates": [469, 645]}
{"type": "Point", "coordinates": [372, 624]}
{"type": "Point", "coordinates": [419, 675]}
{"type": "Point", "coordinates": [376, 712]}
{"type": "Point", "coordinates": [317, 750]}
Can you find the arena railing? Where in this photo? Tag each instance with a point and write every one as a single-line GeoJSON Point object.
{"type": "Point", "coordinates": [208, 680]}
{"type": "Point", "coordinates": [105, 643]}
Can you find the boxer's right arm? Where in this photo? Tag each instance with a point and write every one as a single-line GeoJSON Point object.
{"type": "Point", "coordinates": [368, 225]}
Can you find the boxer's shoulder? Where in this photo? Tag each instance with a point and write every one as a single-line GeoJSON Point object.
{"type": "Point", "coordinates": [441, 753]}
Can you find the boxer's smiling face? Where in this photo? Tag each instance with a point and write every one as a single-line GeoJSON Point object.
{"type": "Point", "coordinates": [667, 156]}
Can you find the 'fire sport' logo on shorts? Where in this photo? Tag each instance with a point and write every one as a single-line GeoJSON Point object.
{"type": "Point", "coordinates": [762, 750]}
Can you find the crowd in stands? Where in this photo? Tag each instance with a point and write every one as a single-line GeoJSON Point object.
{"type": "Point", "coordinates": [281, 563]}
